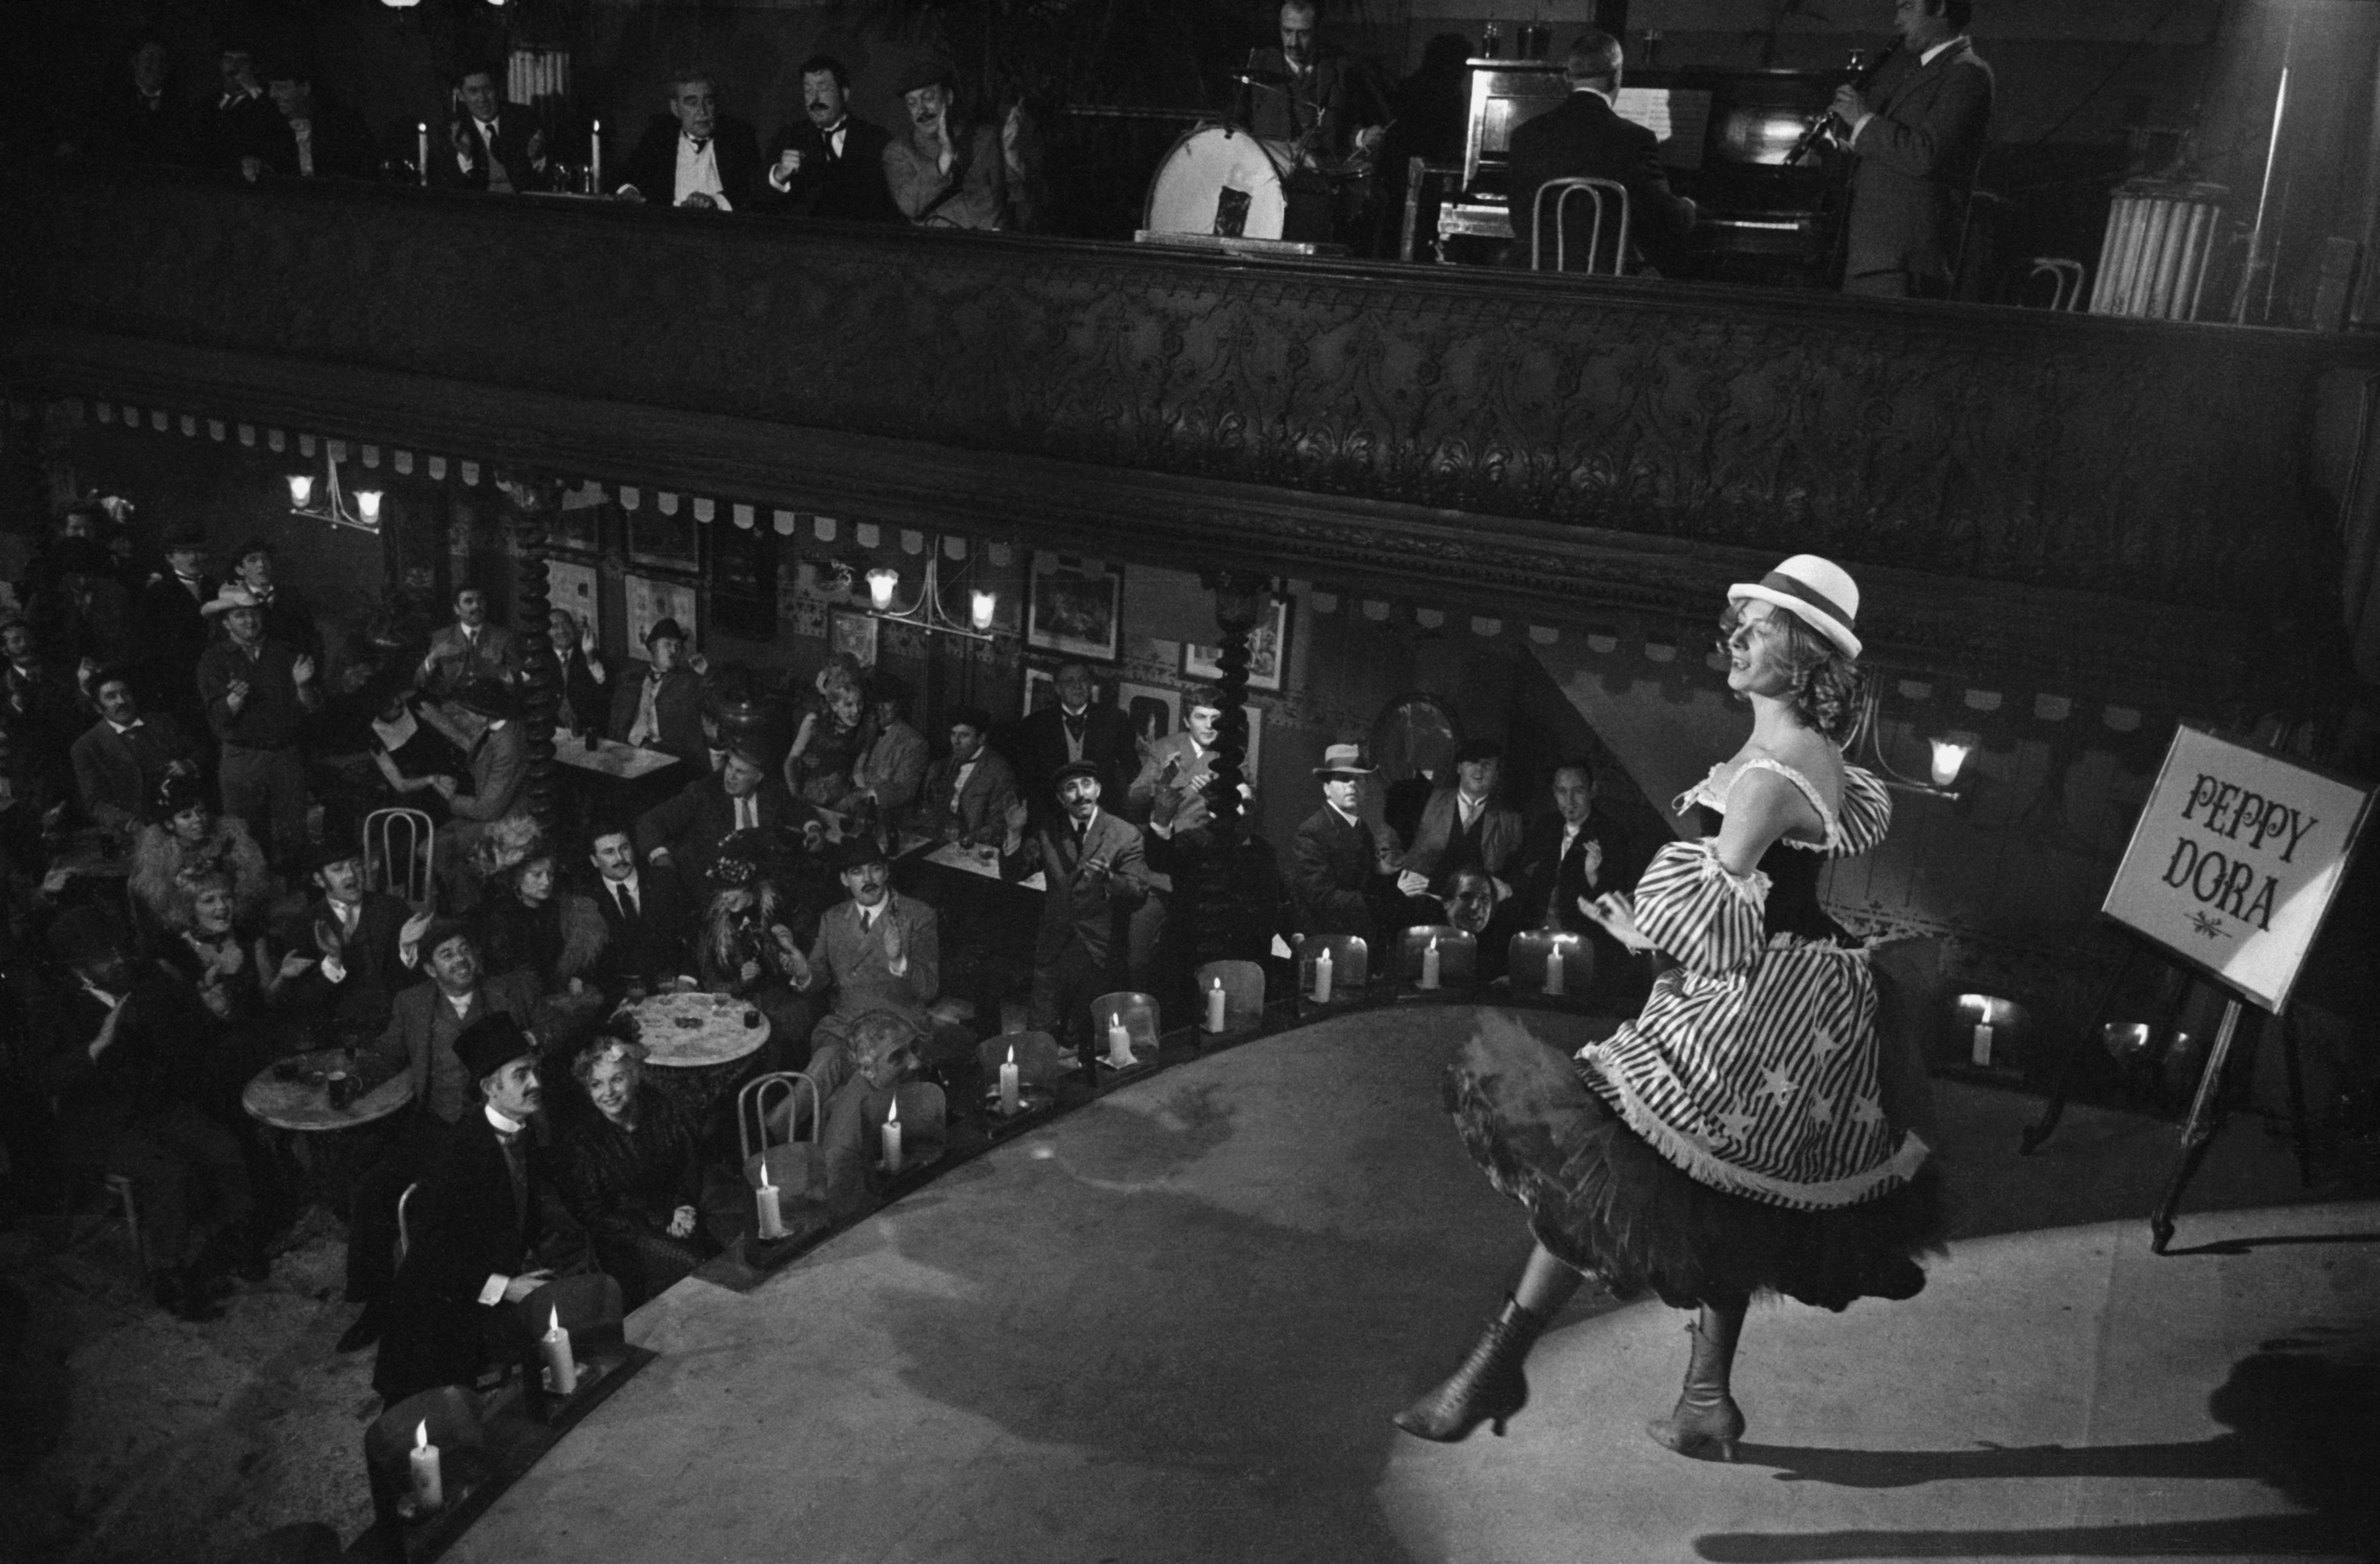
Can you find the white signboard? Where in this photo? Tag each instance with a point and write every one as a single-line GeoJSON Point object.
{"type": "Point", "coordinates": [2235, 861]}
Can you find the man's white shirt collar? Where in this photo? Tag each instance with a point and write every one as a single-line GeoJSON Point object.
{"type": "Point", "coordinates": [504, 1124]}
{"type": "Point", "coordinates": [1927, 57]}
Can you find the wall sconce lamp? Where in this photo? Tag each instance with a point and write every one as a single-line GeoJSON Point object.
{"type": "Point", "coordinates": [363, 515]}
{"type": "Point", "coordinates": [928, 613]}
{"type": "Point", "coordinates": [1951, 753]}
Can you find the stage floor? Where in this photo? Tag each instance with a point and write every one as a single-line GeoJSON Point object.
{"type": "Point", "coordinates": [1174, 1324]}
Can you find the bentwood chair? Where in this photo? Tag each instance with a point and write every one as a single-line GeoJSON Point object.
{"type": "Point", "coordinates": [398, 847]}
{"type": "Point", "coordinates": [1599, 192]}
{"type": "Point", "coordinates": [795, 1165]}
{"type": "Point", "coordinates": [1350, 968]}
{"type": "Point", "coordinates": [1136, 1013]}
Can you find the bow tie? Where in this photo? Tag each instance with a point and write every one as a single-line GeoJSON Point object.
{"type": "Point", "coordinates": [1075, 724]}
{"type": "Point", "coordinates": [697, 143]}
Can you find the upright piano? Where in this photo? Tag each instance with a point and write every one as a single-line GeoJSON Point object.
{"type": "Point", "coordinates": [1723, 135]}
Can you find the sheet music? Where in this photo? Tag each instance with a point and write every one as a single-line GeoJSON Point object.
{"type": "Point", "coordinates": [1679, 117]}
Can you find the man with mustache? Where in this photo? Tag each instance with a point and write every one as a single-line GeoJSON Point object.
{"type": "Point", "coordinates": [945, 173]}
{"type": "Point", "coordinates": [693, 156]}
{"type": "Point", "coordinates": [830, 163]}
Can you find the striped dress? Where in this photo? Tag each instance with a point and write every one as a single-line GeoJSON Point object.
{"type": "Point", "coordinates": [1731, 1140]}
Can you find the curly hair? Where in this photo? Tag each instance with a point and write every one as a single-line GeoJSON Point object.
{"type": "Point", "coordinates": [626, 1052]}
{"type": "Point", "coordinates": [1829, 688]}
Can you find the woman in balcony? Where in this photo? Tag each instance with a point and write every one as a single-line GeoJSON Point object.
{"type": "Point", "coordinates": [1750, 1133]}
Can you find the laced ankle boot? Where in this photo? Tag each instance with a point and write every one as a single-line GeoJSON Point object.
{"type": "Point", "coordinates": [1489, 1388]}
{"type": "Point", "coordinates": [1706, 1422]}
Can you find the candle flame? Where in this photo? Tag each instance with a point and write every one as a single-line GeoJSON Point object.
{"type": "Point", "coordinates": [553, 1321]}
{"type": "Point", "coordinates": [1433, 944]}
{"type": "Point", "coordinates": [1219, 982]}
{"type": "Point", "coordinates": [1011, 1053]}
{"type": "Point", "coordinates": [421, 1434]}
{"type": "Point", "coordinates": [892, 1115]}
{"type": "Point", "coordinates": [764, 1174]}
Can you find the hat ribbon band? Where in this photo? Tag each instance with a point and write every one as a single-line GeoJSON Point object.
{"type": "Point", "coordinates": [1778, 581]}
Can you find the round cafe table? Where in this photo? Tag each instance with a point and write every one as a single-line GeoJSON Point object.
{"type": "Point", "coordinates": [303, 1102]}
{"type": "Point", "coordinates": [698, 1046]}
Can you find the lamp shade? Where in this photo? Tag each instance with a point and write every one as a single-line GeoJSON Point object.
{"type": "Point", "coordinates": [368, 506]}
{"type": "Point", "coordinates": [1950, 757]}
{"type": "Point", "coordinates": [880, 582]}
{"type": "Point", "coordinates": [301, 488]}
{"type": "Point", "coordinates": [980, 604]}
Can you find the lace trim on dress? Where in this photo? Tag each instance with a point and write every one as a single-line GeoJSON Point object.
{"type": "Point", "coordinates": [1860, 824]}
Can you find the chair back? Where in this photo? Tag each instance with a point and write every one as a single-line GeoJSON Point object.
{"type": "Point", "coordinates": [2067, 279]}
{"type": "Point", "coordinates": [1537, 954]}
{"type": "Point", "coordinates": [1136, 1012]}
{"type": "Point", "coordinates": [403, 1221]}
{"type": "Point", "coordinates": [1351, 966]}
{"type": "Point", "coordinates": [1243, 994]}
{"type": "Point", "coordinates": [452, 1416]}
{"type": "Point", "coordinates": [797, 1165]}
{"type": "Point", "coordinates": [1458, 956]}
{"type": "Point", "coordinates": [1600, 193]}
{"type": "Point", "coordinates": [397, 848]}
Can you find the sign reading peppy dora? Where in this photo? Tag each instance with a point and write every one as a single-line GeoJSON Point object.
{"type": "Point", "coordinates": [2235, 861]}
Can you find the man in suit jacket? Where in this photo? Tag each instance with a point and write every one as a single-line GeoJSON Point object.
{"type": "Point", "coordinates": [1329, 106]}
{"type": "Point", "coordinates": [140, 119]}
{"type": "Point", "coordinates": [892, 769]}
{"type": "Point", "coordinates": [1463, 825]}
{"type": "Point", "coordinates": [1576, 853]}
{"type": "Point", "coordinates": [1094, 873]}
{"type": "Point", "coordinates": [1586, 137]}
{"type": "Point", "coordinates": [1074, 730]}
{"type": "Point", "coordinates": [319, 137]}
{"type": "Point", "coordinates": [1337, 877]}
{"type": "Point", "coordinates": [499, 761]}
{"type": "Point", "coordinates": [469, 649]}
{"type": "Point", "coordinates": [649, 932]}
{"type": "Point", "coordinates": [173, 632]}
{"type": "Point", "coordinates": [288, 618]}
{"type": "Point", "coordinates": [1180, 766]}
{"type": "Point", "coordinates": [1918, 133]}
{"type": "Point", "coordinates": [876, 951]}
{"type": "Point", "coordinates": [968, 792]}
{"type": "Point", "coordinates": [683, 834]}
{"type": "Point", "coordinates": [693, 156]}
{"type": "Point", "coordinates": [239, 122]}
{"type": "Point", "coordinates": [122, 758]}
{"type": "Point", "coordinates": [486, 1231]}
{"type": "Point", "coordinates": [831, 163]}
{"type": "Point", "coordinates": [357, 937]}
{"type": "Point", "coordinates": [663, 709]}
{"type": "Point", "coordinates": [586, 679]}
{"type": "Point", "coordinates": [491, 145]}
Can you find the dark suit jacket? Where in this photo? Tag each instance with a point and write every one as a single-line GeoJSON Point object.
{"type": "Point", "coordinates": [499, 770]}
{"type": "Point", "coordinates": [455, 658]}
{"type": "Point", "coordinates": [679, 707]}
{"type": "Point", "coordinates": [173, 630]}
{"type": "Point", "coordinates": [154, 1063]}
{"type": "Point", "coordinates": [1499, 836]}
{"type": "Point", "coordinates": [342, 147]}
{"type": "Point", "coordinates": [515, 124]}
{"type": "Point", "coordinates": [982, 808]}
{"type": "Point", "coordinates": [652, 948]}
{"type": "Point", "coordinates": [1586, 137]}
{"type": "Point", "coordinates": [404, 1045]}
{"type": "Point", "coordinates": [1917, 162]}
{"type": "Point", "coordinates": [116, 774]}
{"type": "Point", "coordinates": [851, 958]}
{"type": "Point", "coordinates": [1324, 107]}
{"type": "Point", "coordinates": [1093, 886]}
{"type": "Point", "coordinates": [246, 127]}
{"type": "Point", "coordinates": [1548, 887]}
{"type": "Point", "coordinates": [652, 167]}
{"type": "Point", "coordinates": [1108, 744]}
{"type": "Point", "coordinates": [1335, 876]}
{"type": "Point", "coordinates": [850, 187]}
{"type": "Point", "coordinates": [585, 702]}
{"type": "Point", "coordinates": [359, 1004]}
{"type": "Point", "coordinates": [129, 128]}
{"type": "Point", "coordinates": [692, 824]}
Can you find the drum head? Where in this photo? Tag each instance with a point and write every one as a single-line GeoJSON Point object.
{"type": "Point", "coordinates": [1218, 180]}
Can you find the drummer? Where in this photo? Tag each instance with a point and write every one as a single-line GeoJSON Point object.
{"type": "Point", "coordinates": [1325, 105]}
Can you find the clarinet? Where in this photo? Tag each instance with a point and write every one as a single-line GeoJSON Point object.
{"type": "Point", "coordinates": [1862, 71]}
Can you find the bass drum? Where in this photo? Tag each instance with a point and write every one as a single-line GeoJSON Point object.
{"type": "Point", "coordinates": [1218, 180]}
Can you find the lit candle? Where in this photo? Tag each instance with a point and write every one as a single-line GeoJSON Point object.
{"type": "Point", "coordinates": [367, 504]}
{"type": "Point", "coordinates": [772, 1218]}
{"type": "Point", "coordinates": [1216, 1005]}
{"type": "Point", "coordinates": [561, 1369]}
{"type": "Point", "coordinates": [893, 1138]}
{"type": "Point", "coordinates": [1119, 1044]}
{"type": "Point", "coordinates": [428, 1488]}
{"type": "Point", "coordinates": [1322, 977]}
{"type": "Point", "coordinates": [1981, 1056]}
{"type": "Point", "coordinates": [421, 147]}
{"type": "Point", "coordinates": [595, 159]}
{"type": "Point", "coordinates": [301, 488]}
{"type": "Point", "coordinates": [1429, 965]}
{"type": "Point", "coordinates": [979, 608]}
{"type": "Point", "coordinates": [1011, 1092]}
{"type": "Point", "coordinates": [1557, 978]}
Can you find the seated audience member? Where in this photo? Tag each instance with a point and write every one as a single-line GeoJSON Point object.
{"type": "Point", "coordinates": [487, 1231]}
{"type": "Point", "coordinates": [1078, 728]}
{"type": "Point", "coordinates": [663, 709]}
{"type": "Point", "coordinates": [586, 679]}
{"type": "Point", "coordinates": [968, 792]}
{"type": "Point", "coordinates": [491, 145]}
{"type": "Point", "coordinates": [185, 838]}
{"type": "Point", "coordinates": [648, 931]}
{"type": "Point", "coordinates": [1474, 905]}
{"type": "Point", "coordinates": [357, 937]}
{"type": "Point", "coordinates": [240, 122]}
{"type": "Point", "coordinates": [1464, 825]}
{"type": "Point", "coordinates": [1340, 878]}
{"type": "Point", "coordinates": [943, 172]}
{"type": "Point", "coordinates": [683, 834]}
{"type": "Point", "coordinates": [1585, 137]}
{"type": "Point", "coordinates": [1573, 856]}
{"type": "Point", "coordinates": [883, 1046]}
{"type": "Point", "coordinates": [530, 923]}
{"type": "Point", "coordinates": [469, 649]}
{"type": "Point", "coordinates": [819, 768]}
{"type": "Point", "coordinates": [878, 949]}
{"type": "Point", "coordinates": [140, 118]}
{"type": "Point", "coordinates": [1096, 874]}
{"type": "Point", "coordinates": [40, 699]}
{"type": "Point", "coordinates": [421, 1041]}
{"type": "Point", "coordinates": [499, 761]}
{"type": "Point", "coordinates": [693, 156]}
{"type": "Point", "coordinates": [747, 951]}
{"type": "Point", "coordinates": [413, 756]}
{"type": "Point", "coordinates": [890, 772]}
{"type": "Point", "coordinates": [227, 965]}
{"type": "Point", "coordinates": [124, 1067]}
{"type": "Point", "coordinates": [319, 137]}
{"type": "Point", "coordinates": [126, 756]}
{"type": "Point", "coordinates": [630, 1174]}
{"type": "Point", "coordinates": [830, 161]}
{"type": "Point", "coordinates": [1180, 766]}
{"type": "Point", "coordinates": [813, 708]}
{"type": "Point", "coordinates": [288, 618]}
{"type": "Point", "coordinates": [258, 693]}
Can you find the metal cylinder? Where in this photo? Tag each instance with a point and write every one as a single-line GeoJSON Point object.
{"type": "Point", "coordinates": [2153, 258]}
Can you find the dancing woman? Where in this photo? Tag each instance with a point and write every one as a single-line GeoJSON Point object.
{"type": "Point", "coordinates": [1749, 1132]}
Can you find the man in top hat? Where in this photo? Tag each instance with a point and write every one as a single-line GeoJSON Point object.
{"type": "Point", "coordinates": [1095, 873]}
{"type": "Point", "coordinates": [830, 161]}
{"type": "Point", "coordinates": [1464, 825]}
{"type": "Point", "coordinates": [486, 1232]}
{"type": "Point", "coordinates": [681, 835]}
{"type": "Point", "coordinates": [1340, 879]}
{"type": "Point", "coordinates": [469, 648]}
{"type": "Point", "coordinates": [943, 172]}
{"type": "Point", "coordinates": [663, 709]}
{"type": "Point", "coordinates": [877, 949]}
{"type": "Point", "coordinates": [693, 156]}
{"type": "Point", "coordinates": [257, 692]}
{"type": "Point", "coordinates": [1078, 728]}
{"type": "Point", "coordinates": [122, 759]}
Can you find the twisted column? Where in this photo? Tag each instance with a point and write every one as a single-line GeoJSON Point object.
{"type": "Point", "coordinates": [529, 500]}
{"type": "Point", "coordinates": [1221, 905]}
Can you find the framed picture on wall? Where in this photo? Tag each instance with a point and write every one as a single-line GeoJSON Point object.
{"type": "Point", "coordinates": [651, 599]}
{"type": "Point", "coordinates": [570, 586]}
{"type": "Point", "coordinates": [1155, 711]}
{"type": "Point", "coordinates": [1074, 608]}
{"type": "Point", "coordinates": [578, 521]}
{"type": "Point", "coordinates": [744, 582]}
{"type": "Point", "coordinates": [1040, 689]}
{"type": "Point", "coordinates": [668, 541]}
{"type": "Point", "coordinates": [1268, 653]}
{"type": "Point", "coordinates": [852, 631]}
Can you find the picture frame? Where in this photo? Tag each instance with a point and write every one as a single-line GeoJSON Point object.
{"type": "Point", "coordinates": [671, 543]}
{"type": "Point", "coordinates": [855, 632]}
{"type": "Point", "coordinates": [579, 522]}
{"type": "Point", "coordinates": [574, 589]}
{"type": "Point", "coordinates": [651, 600]}
{"type": "Point", "coordinates": [1040, 689]}
{"type": "Point", "coordinates": [1268, 653]}
{"type": "Point", "coordinates": [1155, 710]}
{"type": "Point", "coordinates": [1074, 608]}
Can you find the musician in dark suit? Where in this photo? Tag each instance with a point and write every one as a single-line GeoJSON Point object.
{"type": "Point", "coordinates": [486, 1231]}
{"type": "Point", "coordinates": [1331, 112]}
{"type": "Point", "coordinates": [1076, 728]}
{"type": "Point", "coordinates": [649, 931]}
{"type": "Point", "coordinates": [663, 709]}
{"type": "Point", "coordinates": [123, 759]}
{"type": "Point", "coordinates": [969, 791]}
{"type": "Point", "coordinates": [680, 835]}
{"type": "Point", "coordinates": [1585, 137]}
{"type": "Point", "coordinates": [1575, 854]}
{"type": "Point", "coordinates": [1338, 878]}
{"type": "Point", "coordinates": [491, 145]}
{"type": "Point", "coordinates": [830, 161]}
{"type": "Point", "coordinates": [1094, 873]}
{"type": "Point", "coordinates": [1918, 133]}
{"type": "Point", "coordinates": [694, 156]}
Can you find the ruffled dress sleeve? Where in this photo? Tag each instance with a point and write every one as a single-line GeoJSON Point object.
{"type": "Point", "coordinates": [1707, 918]}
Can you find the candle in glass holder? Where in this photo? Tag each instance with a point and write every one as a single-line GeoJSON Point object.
{"type": "Point", "coordinates": [1322, 977]}
{"type": "Point", "coordinates": [554, 1347]}
{"type": "Point", "coordinates": [1119, 1044]}
{"type": "Point", "coordinates": [428, 1484]}
{"type": "Point", "coordinates": [1217, 1005]}
{"type": "Point", "coordinates": [893, 1138]}
{"type": "Point", "coordinates": [1012, 1090]}
{"type": "Point", "coordinates": [772, 1218]}
{"type": "Point", "coordinates": [1429, 965]}
{"type": "Point", "coordinates": [1556, 979]}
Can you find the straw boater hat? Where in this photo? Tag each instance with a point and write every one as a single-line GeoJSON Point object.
{"type": "Point", "coordinates": [1818, 592]}
{"type": "Point", "coordinates": [1344, 760]}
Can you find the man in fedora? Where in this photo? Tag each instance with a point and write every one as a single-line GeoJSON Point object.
{"type": "Point", "coordinates": [482, 1224]}
{"type": "Point", "coordinates": [258, 691]}
{"type": "Point", "coordinates": [1338, 876]}
{"type": "Point", "coordinates": [663, 709]}
{"type": "Point", "coordinates": [1094, 873]}
{"type": "Point", "coordinates": [943, 172]}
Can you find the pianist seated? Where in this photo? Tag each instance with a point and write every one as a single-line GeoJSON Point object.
{"type": "Point", "coordinates": [1586, 137]}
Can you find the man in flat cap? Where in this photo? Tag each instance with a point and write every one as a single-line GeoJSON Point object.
{"type": "Point", "coordinates": [1464, 825]}
{"type": "Point", "coordinates": [1095, 873]}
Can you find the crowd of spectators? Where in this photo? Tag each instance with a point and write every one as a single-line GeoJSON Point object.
{"type": "Point", "coordinates": [192, 901]}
